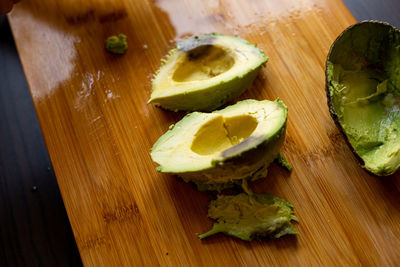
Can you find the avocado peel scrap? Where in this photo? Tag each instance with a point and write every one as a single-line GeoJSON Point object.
{"type": "Point", "coordinates": [283, 162]}
{"type": "Point", "coordinates": [260, 216]}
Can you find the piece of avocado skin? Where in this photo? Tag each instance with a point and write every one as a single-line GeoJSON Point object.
{"type": "Point", "coordinates": [282, 161]}
{"type": "Point", "coordinates": [363, 92]}
{"type": "Point", "coordinates": [202, 95]}
{"type": "Point", "coordinates": [261, 216]}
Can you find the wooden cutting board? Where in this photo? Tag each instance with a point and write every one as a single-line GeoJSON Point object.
{"type": "Point", "coordinates": [99, 129]}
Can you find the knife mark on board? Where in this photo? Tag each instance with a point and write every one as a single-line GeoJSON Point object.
{"type": "Point", "coordinates": [92, 15]}
{"type": "Point", "coordinates": [121, 213]}
{"type": "Point", "coordinates": [93, 242]}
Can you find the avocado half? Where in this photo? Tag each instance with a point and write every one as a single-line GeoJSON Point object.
{"type": "Point", "coordinates": [363, 91]}
{"type": "Point", "coordinates": [204, 72]}
{"type": "Point", "coordinates": [215, 150]}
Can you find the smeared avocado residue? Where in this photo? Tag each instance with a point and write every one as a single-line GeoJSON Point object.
{"type": "Point", "coordinates": [251, 216]}
{"type": "Point", "coordinates": [117, 44]}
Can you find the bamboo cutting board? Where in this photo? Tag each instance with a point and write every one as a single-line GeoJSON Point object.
{"type": "Point", "coordinates": [99, 129]}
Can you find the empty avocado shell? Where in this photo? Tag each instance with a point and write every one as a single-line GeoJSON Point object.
{"type": "Point", "coordinates": [363, 91]}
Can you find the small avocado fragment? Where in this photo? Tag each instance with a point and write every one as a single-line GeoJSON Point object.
{"type": "Point", "coordinates": [215, 150]}
{"type": "Point", "coordinates": [363, 90]}
{"type": "Point", "coordinates": [117, 44]}
{"type": "Point", "coordinates": [251, 216]}
{"type": "Point", "coordinates": [282, 161]}
{"type": "Point", "coordinates": [204, 72]}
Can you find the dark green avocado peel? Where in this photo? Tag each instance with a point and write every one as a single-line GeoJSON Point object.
{"type": "Point", "coordinates": [363, 91]}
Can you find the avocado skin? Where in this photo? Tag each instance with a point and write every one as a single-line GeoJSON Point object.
{"type": "Point", "coordinates": [374, 58]}
{"type": "Point", "coordinates": [283, 162]}
{"type": "Point", "coordinates": [259, 216]}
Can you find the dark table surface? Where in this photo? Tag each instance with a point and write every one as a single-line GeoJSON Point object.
{"type": "Point", "coordinates": [34, 227]}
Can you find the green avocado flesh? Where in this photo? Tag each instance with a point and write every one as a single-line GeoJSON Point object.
{"type": "Point", "coordinates": [251, 216]}
{"type": "Point", "coordinates": [204, 72]}
{"type": "Point", "coordinates": [363, 81]}
{"type": "Point", "coordinates": [215, 150]}
{"type": "Point", "coordinates": [117, 44]}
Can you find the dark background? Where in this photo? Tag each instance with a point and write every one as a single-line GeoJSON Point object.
{"type": "Point", "coordinates": [34, 227]}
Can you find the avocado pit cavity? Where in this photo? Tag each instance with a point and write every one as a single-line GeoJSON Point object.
{"type": "Point", "coordinates": [222, 133]}
{"type": "Point", "coordinates": [203, 62]}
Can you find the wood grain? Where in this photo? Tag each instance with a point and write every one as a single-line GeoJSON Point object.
{"type": "Point", "coordinates": [98, 129]}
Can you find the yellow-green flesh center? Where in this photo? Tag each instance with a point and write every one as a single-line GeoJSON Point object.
{"type": "Point", "coordinates": [222, 133]}
{"type": "Point", "coordinates": [202, 63]}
